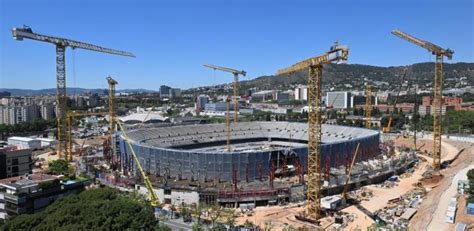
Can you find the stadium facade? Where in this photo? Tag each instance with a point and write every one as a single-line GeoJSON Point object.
{"type": "Point", "coordinates": [199, 151]}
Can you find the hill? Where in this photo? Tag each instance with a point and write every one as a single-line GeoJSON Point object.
{"type": "Point", "coordinates": [354, 74]}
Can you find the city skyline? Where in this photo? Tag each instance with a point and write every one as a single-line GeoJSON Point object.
{"type": "Point", "coordinates": [172, 40]}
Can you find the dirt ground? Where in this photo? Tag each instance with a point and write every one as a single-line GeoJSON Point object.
{"type": "Point", "coordinates": [276, 217]}
{"type": "Point", "coordinates": [361, 220]}
{"type": "Point", "coordinates": [436, 199]}
{"type": "Point", "coordinates": [381, 196]}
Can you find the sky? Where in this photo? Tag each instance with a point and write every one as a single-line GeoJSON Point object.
{"type": "Point", "coordinates": [173, 39]}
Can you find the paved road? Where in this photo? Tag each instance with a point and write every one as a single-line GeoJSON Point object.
{"type": "Point", "coordinates": [177, 225]}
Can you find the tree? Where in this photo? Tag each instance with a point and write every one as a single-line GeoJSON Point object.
{"type": "Point", "coordinates": [94, 209]}
{"type": "Point", "coordinates": [59, 167]}
{"type": "Point", "coordinates": [162, 227]}
{"type": "Point", "coordinates": [229, 217]}
{"type": "Point", "coordinates": [215, 213]}
{"type": "Point", "coordinates": [248, 224]}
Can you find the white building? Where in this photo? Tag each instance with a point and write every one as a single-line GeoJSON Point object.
{"type": "Point", "coordinates": [46, 142]}
{"type": "Point", "coordinates": [338, 99]}
{"type": "Point", "coordinates": [301, 93]}
{"type": "Point", "coordinates": [24, 142]}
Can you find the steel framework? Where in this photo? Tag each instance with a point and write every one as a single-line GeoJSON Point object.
{"type": "Point", "coordinates": [61, 95]}
{"type": "Point", "coordinates": [368, 105]}
{"type": "Point", "coordinates": [437, 88]}
{"type": "Point", "coordinates": [315, 64]}
{"type": "Point", "coordinates": [236, 74]}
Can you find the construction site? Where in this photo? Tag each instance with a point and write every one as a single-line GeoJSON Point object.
{"type": "Point", "coordinates": [276, 173]}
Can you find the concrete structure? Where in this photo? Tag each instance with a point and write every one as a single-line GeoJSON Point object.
{"type": "Point", "coordinates": [199, 151]}
{"type": "Point", "coordinates": [301, 93]}
{"type": "Point", "coordinates": [46, 142]}
{"type": "Point", "coordinates": [24, 142]}
{"type": "Point", "coordinates": [201, 102]}
{"type": "Point", "coordinates": [30, 194]}
{"type": "Point", "coordinates": [338, 99]}
{"type": "Point", "coordinates": [15, 162]}
{"type": "Point", "coordinates": [174, 196]}
{"type": "Point", "coordinates": [218, 107]}
{"type": "Point", "coordinates": [47, 111]}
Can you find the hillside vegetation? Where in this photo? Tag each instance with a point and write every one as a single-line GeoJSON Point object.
{"type": "Point", "coordinates": [95, 209]}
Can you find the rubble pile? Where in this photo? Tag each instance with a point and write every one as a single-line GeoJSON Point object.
{"type": "Point", "coordinates": [400, 210]}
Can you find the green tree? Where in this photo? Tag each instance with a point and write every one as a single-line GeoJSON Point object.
{"type": "Point", "coordinates": [95, 209]}
{"type": "Point", "coordinates": [59, 167]}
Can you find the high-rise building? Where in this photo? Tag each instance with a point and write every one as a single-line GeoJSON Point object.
{"type": "Point", "coordinates": [201, 102]}
{"type": "Point", "coordinates": [168, 92]}
{"type": "Point", "coordinates": [338, 99]}
{"type": "Point", "coordinates": [12, 114]}
{"type": "Point", "coordinates": [47, 111]}
{"type": "Point", "coordinates": [164, 91]}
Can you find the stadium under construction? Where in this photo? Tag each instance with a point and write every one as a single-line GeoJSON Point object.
{"type": "Point", "coordinates": [267, 160]}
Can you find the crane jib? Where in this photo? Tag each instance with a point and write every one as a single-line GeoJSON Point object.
{"type": "Point", "coordinates": [20, 34]}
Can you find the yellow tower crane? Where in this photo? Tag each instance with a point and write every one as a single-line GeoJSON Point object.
{"type": "Point", "coordinates": [437, 88]}
{"type": "Point", "coordinates": [338, 54]}
{"type": "Point", "coordinates": [236, 74]}
{"type": "Point", "coordinates": [111, 82]}
{"type": "Point", "coordinates": [368, 104]}
{"type": "Point", "coordinates": [61, 96]}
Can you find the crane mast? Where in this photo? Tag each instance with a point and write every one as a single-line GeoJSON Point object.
{"type": "Point", "coordinates": [236, 74]}
{"type": "Point", "coordinates": [61, 96]}
{"type": "Point", "coordinates": [112, 83]}
{"type": "Point", "coordinates": [437, 88]}
{"type": "Point", "coordinates": [338, 54]}
{"type": "Point", "coordinates": [368, 105]}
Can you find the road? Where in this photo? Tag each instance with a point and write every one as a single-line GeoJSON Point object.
{"type": "Point", "coordinates": [439, 216]}
{"type": "Point", "coordinates": [177, 225]}
{"type": "Point", "coordinates": [436, 200]}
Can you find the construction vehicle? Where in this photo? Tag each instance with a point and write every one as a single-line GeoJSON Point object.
{"type": "Point", "coordinates": [437, 88]}
{"type": "Point", "coordinates": [61, 96]}
{"type": "Point", "coordinates": [154, 202]}
{"type": "Point", "coordinates": [339, 54]}
{"type": "Point", "coordinates": [236, 74]}
{"type": "Point", "coordinates": [388, 128]}
{"type": "Point", "coordinates": [348, 176]}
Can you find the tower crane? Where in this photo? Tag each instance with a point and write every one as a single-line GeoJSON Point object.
{"type": "Point", "coordinates": [61, 96]}
{"type": "Point", "coordinates": [437, 87]}
{"type": "Point", "coordinates": [339, 54]}
{"type": "Point", "coordinates": [236, 74]}
{"type": "Point", "coordinates": [389, 125]}
{"type": "Point", "coordinates": [111, 82]}
{"type": "Point", "coordinates": [368, 104]}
